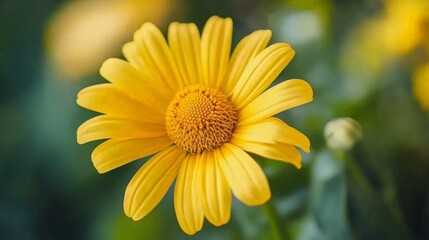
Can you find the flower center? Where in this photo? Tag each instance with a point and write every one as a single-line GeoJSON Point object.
{"type": "Point", "coordinates": [200, 118]}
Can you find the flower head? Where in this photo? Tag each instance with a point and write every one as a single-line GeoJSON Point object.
{"type": "Point", "coordinates": [199, 109]}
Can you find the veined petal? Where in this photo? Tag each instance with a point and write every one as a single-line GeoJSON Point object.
{"type": "Point", "coordinates": [184, 41]}
{"type": "Point", "coordinates": [246, 178]}
{"type": "Point", "coordinates": [189, 212]}
{"type": "Point", "coordinates": [106, 126]}
{"type": "Point", "coordinates": [133, 82]}
{"type": "Point", "coordinates": [157, 59]}
{"type": "Point", "coordinates": [215, 193]}
{"type": "Point", "coordinates": [151, 182]}
{"type": "Point", "coordinates": [246, 50]}
{"type": "Point", "coordinates": [283, 96]}
{"type": "Point", "coordinates": [215, 50]}
{"type": "Point", "coordinates": [276, 151]}
{"type": "Point", "coordinates": [272, 130]}
{"type": "Point", "coordinates": [107, 98]}
{"type": "Point", "coordinates": [114, 153]}
{"type": "Point", "coordinates": [261, 72]}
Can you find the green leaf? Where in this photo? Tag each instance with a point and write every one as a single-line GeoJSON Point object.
{"type": "Point", "coordinates": [327, 217]}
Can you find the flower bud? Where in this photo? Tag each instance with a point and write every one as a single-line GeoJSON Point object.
{"type": "Point", "coordinates": [342, 133]}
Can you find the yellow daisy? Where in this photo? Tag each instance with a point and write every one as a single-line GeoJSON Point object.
{"type": "Point", "coordinates": [199, 109]}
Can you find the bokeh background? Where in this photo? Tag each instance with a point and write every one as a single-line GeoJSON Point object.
{"type": "Point", "coordinates": [365, 59]}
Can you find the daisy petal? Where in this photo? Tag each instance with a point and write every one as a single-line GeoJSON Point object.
{"type": "Point", "coordinates": [215, 193]}
{"type": "Point", "coordinates": [215, 50]}
{"type": "Point", "coordinates": [184, 41]}
{"type": "Point", "coordinates": [189, 213]}
{"type": "Point", "coordinates": [132, 81]}
{"type": "Point", "coordinates": [245, 51]}
{"type": "Point", "coordinates": [107, 98]}
{"type": "Point", "coordinates": [157, 59]}
{"type": "Point", "coordinates": [277, 151]}
{"type": "Point", "coordinates": [131, 53]}
{"type": "Point", "coordinates": [272, 130]}
{"type": "Point", "coordinates": [246, 178]}
{"type": "Point", "coordinates": [261, 72]}
{"type": "Point", "coordinates": [105, 126]}
{"type": "Point", "coordinates": [283, 96]}
{"type": "Point", "coordinates": [151, 182]}
{"type": "Point", "coordinates": [114, 153]}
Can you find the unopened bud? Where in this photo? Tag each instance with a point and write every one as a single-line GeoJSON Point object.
{"type": "Point", "coordinates": [342, 133]}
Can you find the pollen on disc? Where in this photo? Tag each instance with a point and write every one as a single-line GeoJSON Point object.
{"type": "Point", "coordinates": [200, 118]}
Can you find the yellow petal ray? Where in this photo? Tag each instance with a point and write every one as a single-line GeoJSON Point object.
{"type": "Point", "coordinates": [108, 99]}
{"type": "Point", "coordinates": [134, 82]}
{"type": "Point", "coordinates": [184, 41]}
{"type": "Point", "coordinates": [106, 126]}
{"type": "Point", "coordinates": [189, 213]}
{"type": "Point", "coordinates": [215, 193]}
{"type": "Point", "coordinates": [261, 72]}
{"type": "Point", "coordinates": [157, 59]}
{"type": "Point", "coordinates": [283, 96]}
{"type": "Point", "coordinates": [215, 50]}
{"type": "Point", "coordinates": [246, 178]}
{"type": "Point", "coordinates": [276, 151]}
{"type": "Point", "coordinates": [114, 153]}
{"type": "Point", "coordinates": [150, 184]}
{"type": "Point", "coordinates": [131, 53]}
{"type": "Point", "coordinates": [272, 130]}
{"type": "Point", "coordinates": [246, 50]}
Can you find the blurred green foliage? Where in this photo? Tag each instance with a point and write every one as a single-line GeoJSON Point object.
{"type": "Point", "coordinates": [378, 190]}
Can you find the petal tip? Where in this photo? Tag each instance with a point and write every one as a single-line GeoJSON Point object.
{"type": "Point", "coordinates": [109, 64]}
{"type": "Point", "coordinates": [136, 218]}
{"type": "Point", "coordinates": [260, 201]}
{"type": "Point", "coordinates": [306, 149]}
{"type": "Point", "coordinates": [126, 209]}
{"type": "Point", "coordinates": [127, 47]}
{"type": "Point", "coordinates": [96, 164]}
{"type": "Point", "coordinates": [221, 221]}
{"type": "Point", "coordinates": [190, 231]}
{"type": "Point", "coordinates": [79, 140]}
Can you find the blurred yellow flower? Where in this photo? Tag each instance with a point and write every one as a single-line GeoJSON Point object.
{"type": "Point", "coordinates": [401, 28]}
{"type": "Point", "coordinates": [405, 25]}
{"type": "Point", "coordinates": [364, 55]}
{"type": "Point", "coordinates": [82, 34]}
{"type": "Point", "coordinates": [201, 110]}
{"type": "Point", "coordinates": [421, 85]}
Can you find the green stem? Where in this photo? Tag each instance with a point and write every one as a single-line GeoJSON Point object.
{"type": "Point", "coordinates": [274, 220]}
{"type": "Point", "coordinates": [360, 177]}
{"type": "Point", "coordinates": [362, 180]}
